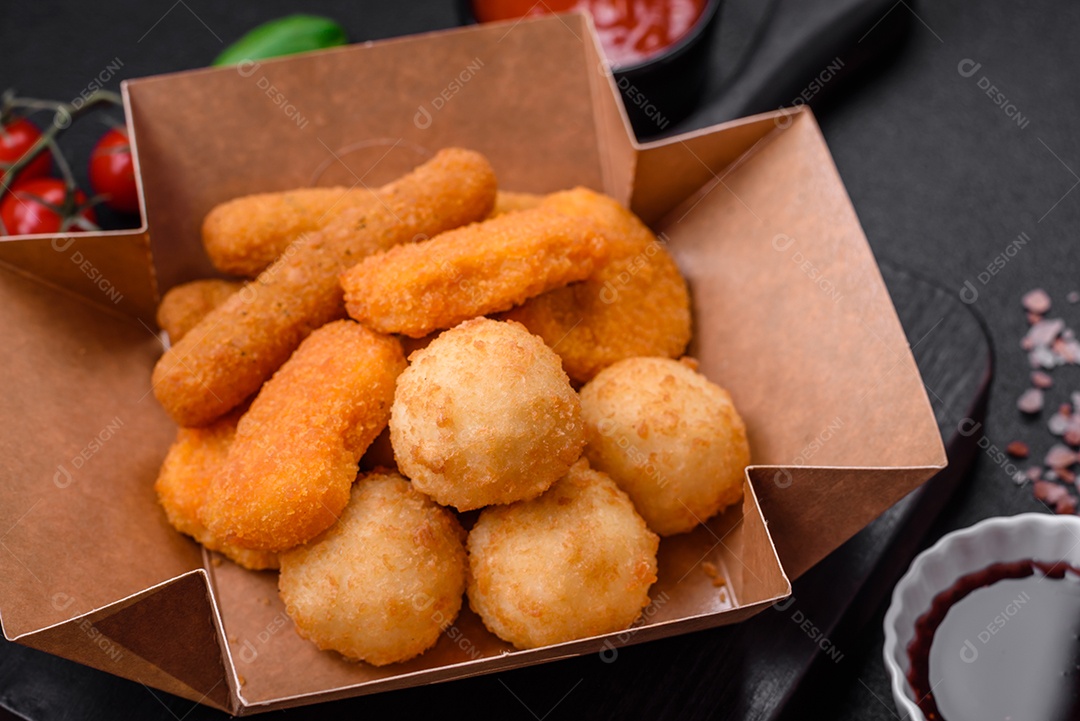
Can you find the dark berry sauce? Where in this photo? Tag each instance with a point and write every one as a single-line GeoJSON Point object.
{"type": "Point", "coordinates": [1002, 644]}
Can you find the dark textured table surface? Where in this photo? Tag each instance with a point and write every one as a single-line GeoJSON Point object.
{"type": "Point", "coordinates": [944, 177]}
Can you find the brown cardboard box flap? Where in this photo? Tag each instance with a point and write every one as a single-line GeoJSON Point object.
{"type": "Point", "coordinates": [165, 637]}
{"type": "Point", "coordinates": [791, 316]}
{"type": "Point", "coordinates": [802, 330]}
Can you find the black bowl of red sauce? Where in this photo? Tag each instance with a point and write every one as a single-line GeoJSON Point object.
{"type": "Point", "coordinates": [658, 50]}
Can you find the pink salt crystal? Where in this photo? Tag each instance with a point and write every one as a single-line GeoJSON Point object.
{"type": "Point", "coordinates": [1033, 318]}
{"type": "Point", "coordinates": [1030, 401]}
{"type": "Point", "coordinates": [1049, 493]}
{"type": "Point", "coordinates": [1073, 296]}
{"type": "Point", "coordinates": [1060, 456]}
{"type": "Point", "coordinates": [1066, 506]}
{"type": "Point", "coordinates": [1039, 379]}
{"type": "Point", "coordinates": [1034, 473]}
{"type": "Point", "coordinates": [1041, 357]}
{"type": "Point", "coordinates": [1058, 424]}
{"type": "Point", "coordinates": [1069, 350]}
{"type": "Point", "coordinates": [1045, 331]}
{"type": "Point", "coordinates": [1036, 301]}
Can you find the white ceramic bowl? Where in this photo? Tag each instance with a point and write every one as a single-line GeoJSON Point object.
{"type": "Point", "coordinates": [1038, 536]}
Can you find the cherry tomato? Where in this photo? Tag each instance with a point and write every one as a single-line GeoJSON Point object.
{"type": "Point", "coordinates": [112, 172]}
{"type": "Point", "coordinates": [16, 137]}
{"type": "Point", "coordinates": [43, 205]}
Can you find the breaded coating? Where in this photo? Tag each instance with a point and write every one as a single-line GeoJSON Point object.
{"type": "Point", "coordinates": [185, 305]}
{"type": "Point", "coordinates": [634, 304]}
{"type": "Point", "coordinates": [384, 581]}
{"type": "Point", "coordinates": [485, 414]}
{"type": "Point", "coordinates": [235, 348]}
{"type": "Point", "coordinates": [669, 437]}
{"type": "Point", "coordinates": [575, 562]}
{"type": "Point", "coordinates": [245, 235]}
{"type": "Point", "coordinates": [509, 202]}
{"type": "Point", "coordinates": [193, 460]}
{"type": "Point", "coordinates": [288, 473]}
{"type": "Point", "coordinates": [483, 268]}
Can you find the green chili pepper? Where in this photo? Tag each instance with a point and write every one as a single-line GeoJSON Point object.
{"type": "Point", "coordinates": [284, 36]}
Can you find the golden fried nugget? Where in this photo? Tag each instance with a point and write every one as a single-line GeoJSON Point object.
{"type": "Point", "coordinates": [669, 437]}
{"type": "Point", "coordinates": [485, 414]}
{"type": "Point", "coordinates": [288, 473]}
{"type": "Point", "coordinates": [482, 268]}
{"type": "Point", "coordinates": [245, 235]}
{"type": "Point", "coordinates": [510, 202]}
{"type": "Point", "coordinates": [575, 562]}
{"type": "Point", "coordinates": [382, 584]}
{"type": "Point", "coordinates": [185, 305]}
{"type": "Point", "coordinates": [193, 460]}
{"type": "Point", "coordinates": [635, 304]}
{"type": "Point", "coordinates": [235, 348]}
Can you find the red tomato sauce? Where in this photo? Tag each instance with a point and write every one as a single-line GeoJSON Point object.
{"type": "Point", "coordinates": [630, 30]}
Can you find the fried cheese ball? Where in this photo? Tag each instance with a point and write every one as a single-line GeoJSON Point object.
{"type": "Point", "coordinates": [669, 437]}
{"type": "Point", "coordinates": [636, 303]}
{"type": "Point", "coordinates": [193, 460]}
{"type": "Point", "coordinates": [185, 305]}
{"type": "Point", "coordinates": [289, 470]}
{"type": "Point", "coordinates": [578, 561]}
{"type": "Point", "coordinates": [245, 235]}
{"type": "Point", "coordinates": [482, 268]}
{"type": "Point", "coordinates": [383, 582]}
{"type": "Point", "coordinates": [233, 350]}
{"type": "Point", "coordinates": [485, 414]}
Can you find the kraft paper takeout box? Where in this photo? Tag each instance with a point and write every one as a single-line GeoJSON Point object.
{"type": "Point", "coordinates": [790, 314]}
